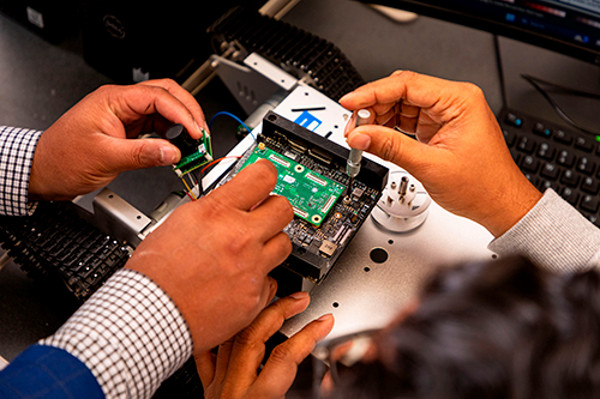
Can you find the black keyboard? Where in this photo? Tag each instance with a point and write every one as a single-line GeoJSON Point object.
{"type": "Point", "coordinates": [551, 156]}
{"type": "Point", "coordinates": [57, 244]}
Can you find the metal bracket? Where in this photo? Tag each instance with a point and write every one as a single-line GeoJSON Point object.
{"type": "Point", "coordinates": [119, 218]}
{"type": "Point", "coordinates": [253, 83]}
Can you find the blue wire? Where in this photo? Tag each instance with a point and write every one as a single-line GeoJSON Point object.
{"type": "Point", "coordinates": [229, 114]}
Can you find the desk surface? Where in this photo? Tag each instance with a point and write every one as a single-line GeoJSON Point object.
{"type": "Point", "coordinates": [40, 81]}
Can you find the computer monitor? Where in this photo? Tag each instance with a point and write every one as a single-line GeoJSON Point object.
{"type": "Point", "coordinates": [570, 27]}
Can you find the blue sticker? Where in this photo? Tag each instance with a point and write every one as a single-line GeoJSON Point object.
{"type": "Point", "coordinates": [308, 121]}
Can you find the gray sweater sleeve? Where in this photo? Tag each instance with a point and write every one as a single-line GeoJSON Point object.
{"type": "Point", "coordinates": [554, 235]}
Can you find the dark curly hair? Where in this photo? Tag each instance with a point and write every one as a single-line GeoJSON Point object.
{"type": "Point", "coordinates": [505, 329]}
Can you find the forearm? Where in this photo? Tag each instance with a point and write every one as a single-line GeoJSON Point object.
{"type": "Point", "coordinates": [554, 235]}
{"type": "Point", "coordinates": [17, 146]}
{"type": "Point", "coordinates": [129, 334]}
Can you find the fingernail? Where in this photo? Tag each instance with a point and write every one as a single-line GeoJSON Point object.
{"type": "Point", "coordinates": [299, 295]}
{"type": "Point", "coordinates": [200, 128]}
{"type": "Point", "coordinates": [272, 283]}
{"type": "Point", "coordinates": [359, 141]}
{"type": "Point", "coordinates": [168, 155]}
{"type": "Point", "coordinates": [325, 317]}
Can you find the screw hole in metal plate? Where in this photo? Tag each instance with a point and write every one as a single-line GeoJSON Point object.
{"type": "Point", "coordinates": [379, 255]}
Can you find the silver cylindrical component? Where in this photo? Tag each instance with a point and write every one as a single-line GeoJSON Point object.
{"type": "Point", "coordinates": [363, 117]}
{"type": "Point", "coordinates": [403, 186]}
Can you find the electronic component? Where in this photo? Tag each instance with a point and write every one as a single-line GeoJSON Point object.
{"type": "Point", "coordinates": [312, 195]}
{"type": "Point", "coordinates": [194, 153]}
{"type": "Point", "coordinates": [312, 175]}
{"type": "Point", "coordinates": [363, 117]}
{"type": "Point", "coordinates": [404, 205]}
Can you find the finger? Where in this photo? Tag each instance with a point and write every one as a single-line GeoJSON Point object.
{"type": "Point", "coordinates": [276, 250]}
{"type": "Point", "coordinates": [391, 145]}
{"type": "Point", "coordinates": [222, 361]}
{"type": "Point", "coordinates": [272, 215]}
{"type": "Point", "coordinates": [419, 90]}
{"type": "Point", "coordinates": [127, 154]}
{"type": "Point", "coordinates": [249, 187]}
{"type": "Point", "coordinates": [144, 100]}
{"type": "Point", "coordinates": [280, 370]}
{"type": "Point", "coordinates": [408, 124]}
{"type": "Point", "coordinates": [205, 364]}
{"type": "Point", "coordinates": [249, 349]}
{"type": "Point", "coordinates": [185, 97]}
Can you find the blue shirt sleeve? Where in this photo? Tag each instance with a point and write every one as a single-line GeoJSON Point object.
{"type": "Point", "coordinates": [48, 372]}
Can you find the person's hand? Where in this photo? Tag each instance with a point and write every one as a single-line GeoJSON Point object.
{"type": "Point", "coordinates": [460, 156]}
{"type": "Point", "coordinates": [232, 373]}
{"type": "Point", "coordinates": [87, 147]}
{"type": "Point", "coordinates": [212, 256]}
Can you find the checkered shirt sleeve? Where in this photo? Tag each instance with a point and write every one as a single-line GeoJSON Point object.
{"type": "Point", "coordinates": [17, 146]}
{"type": "Point", "coordinates": [130, 334]}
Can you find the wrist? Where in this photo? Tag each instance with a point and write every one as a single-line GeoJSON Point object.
{"type": "Point", "coordinates": [512, 204]}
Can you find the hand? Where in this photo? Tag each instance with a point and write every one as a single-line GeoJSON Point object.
{"type": "Point", "coordinates": [87, 147]}
{"type": "Point", "coordinates": [232, 373]}
{"type": "Point", "coordinates": [212, 256]}
{"type": "Point", "coordinates": [460, 156]}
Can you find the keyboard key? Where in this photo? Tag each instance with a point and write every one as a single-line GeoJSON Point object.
{"type": "Point", "coordinates": [590, 203]}
{"type": "Point", "coordinates": [569, 178]}
{"type": "Point", "coordinates": [586, 166]}
{"type": "Point", "coordinates": [529, 163]}
{"type": "Point", "coordinates": [509, 137]}
{"type": "Point", "coordinates": [570, 195]}
{"type": "Point", "coordinates": [541, 130]}
{"type": "Point", "coordinates": [543, 185]}
{"type": "Point", "coordinates": [546, 151]}
{"type": "Point", "coordinates": [583, 143]}
{"type": "Point", "coordinates": [565, 158]}
{"type": "Point", "coordinates": [594, 219]}
{"type": "Point", "coordinates": [526, 145]}
{"type": "Point", "coordinates": [590, 185]}
{"type": "Point", "coordinates": [550, 171]}
{"type": "Point", "coordinates": [513, 119]}
{"type": "Point", "coordinates": [563, 137]}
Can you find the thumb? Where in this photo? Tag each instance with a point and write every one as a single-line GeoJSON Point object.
{"type": "Point", "coordinates": [391, 145]}
{"type": "Point", "coordinates": [130, 154]}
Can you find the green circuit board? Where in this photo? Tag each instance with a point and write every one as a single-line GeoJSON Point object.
{"type": "Point", "coordinates": [312, 195]}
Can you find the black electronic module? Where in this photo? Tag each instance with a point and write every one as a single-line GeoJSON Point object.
{"type": "Point", "coordinates": [312, 175]}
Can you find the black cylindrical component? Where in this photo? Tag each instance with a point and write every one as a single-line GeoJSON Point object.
{"type": "Point", "coordinates": [180, 138]}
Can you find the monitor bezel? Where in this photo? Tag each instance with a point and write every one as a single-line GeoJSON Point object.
{"type": "Point", "coordinates": [495, 27]}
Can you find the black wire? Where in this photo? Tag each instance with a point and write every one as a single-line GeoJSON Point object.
{"type": "Point", "coordinates": [535, 82]}
{"type": "Point", "coordinates": [500, 70]}
{"type": "Point", "coordinates": [564, 89]}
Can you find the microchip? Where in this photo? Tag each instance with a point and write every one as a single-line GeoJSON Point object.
{"type": "Point", "coordinates": [311, 194]}
{"type": "Point", "coordinates": [327, 248]}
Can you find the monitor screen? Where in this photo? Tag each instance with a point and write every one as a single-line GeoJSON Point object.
{"type": "Point", "coordinates": [570, 27]}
